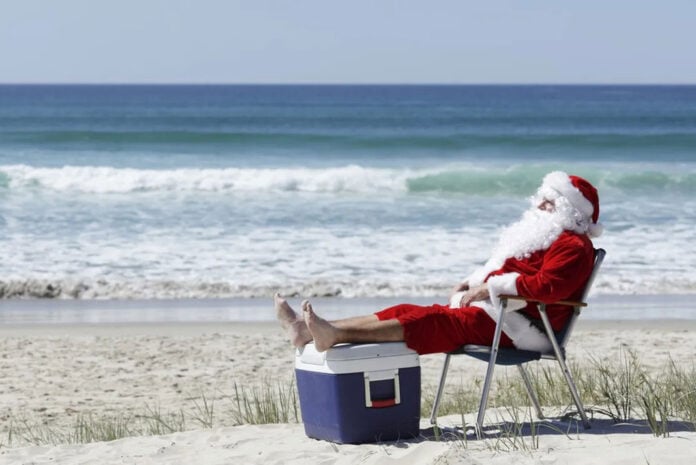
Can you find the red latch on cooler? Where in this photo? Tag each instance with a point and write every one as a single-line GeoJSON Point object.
{"type": "Point", "coordinates": [380, 376]}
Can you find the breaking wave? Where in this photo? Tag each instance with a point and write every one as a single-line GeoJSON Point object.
{"type": "Point", "coordinates": [104, 289]}
{"type": "Point", "coordinates": [460, 179]}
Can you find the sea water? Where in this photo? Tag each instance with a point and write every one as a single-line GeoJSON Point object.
{"type": "Point", "coordinates": [353, 191]}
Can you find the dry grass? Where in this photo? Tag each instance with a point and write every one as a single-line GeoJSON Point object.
{"type": "Point", "coordinates": [623, 390]}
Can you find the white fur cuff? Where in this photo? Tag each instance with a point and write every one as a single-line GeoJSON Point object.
{"type": "Point", "coordinates": [503, 284]}
{"type": "Point", "coordinates": [456, 299]}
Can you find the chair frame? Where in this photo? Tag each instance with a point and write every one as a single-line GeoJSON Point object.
{"type": "Point", "coordinates": [558, 342]}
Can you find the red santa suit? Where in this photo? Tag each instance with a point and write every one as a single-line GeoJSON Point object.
{"type": "Point", "coordinates": [558, 271]}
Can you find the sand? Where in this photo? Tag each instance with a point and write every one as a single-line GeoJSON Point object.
{"type": "Point", "coordinates": [53, 373]}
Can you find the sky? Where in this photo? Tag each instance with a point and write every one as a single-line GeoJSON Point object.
{"type": "Point", "coordinates": [356, 41]}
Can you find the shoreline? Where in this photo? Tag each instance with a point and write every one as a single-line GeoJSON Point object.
{"type": "Point", "coordinates": [271, 328]}
{"type": "Point", "coordinates": [605, 307]}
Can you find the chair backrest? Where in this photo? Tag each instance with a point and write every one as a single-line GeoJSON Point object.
{"type": "Point", "coordinates": [565, 333]}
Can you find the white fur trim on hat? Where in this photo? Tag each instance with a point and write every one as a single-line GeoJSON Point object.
{"type": "Point", "coordinates": [595, 229]}
{"type": "Point", "coordinates": [560, 182]}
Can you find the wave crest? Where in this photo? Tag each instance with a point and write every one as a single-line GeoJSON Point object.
{"type": "Point", "coordinates": [104, 289]}
{"type": "Point", "coordinates": [104, 180]}
{"type": "Point", "coordinates": [519, 180]}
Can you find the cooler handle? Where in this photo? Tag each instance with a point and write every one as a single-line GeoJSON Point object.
{"type": "Point", "coordinates": [369, 403]}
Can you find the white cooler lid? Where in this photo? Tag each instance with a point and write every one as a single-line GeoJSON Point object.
{"type": "Point", "coordinates": [351, 358]}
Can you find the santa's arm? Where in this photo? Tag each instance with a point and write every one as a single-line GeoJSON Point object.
{"type": "Point", "coordinates": [565, 264]}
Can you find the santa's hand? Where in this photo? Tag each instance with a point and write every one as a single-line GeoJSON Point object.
{"type": "Point", "coordinates": [464, 286]}
{"type": "Point", "coordinates": [475, 294]}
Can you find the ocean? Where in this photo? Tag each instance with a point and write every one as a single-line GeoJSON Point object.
{"type": "Point", "coordinates": [190, 192]}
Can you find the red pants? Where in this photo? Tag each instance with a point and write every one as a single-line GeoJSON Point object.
{"type": "Point", "coordinates": [438, 328]}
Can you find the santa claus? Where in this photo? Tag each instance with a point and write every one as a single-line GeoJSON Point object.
{"type": "Point", "coordinates": [545, 256]}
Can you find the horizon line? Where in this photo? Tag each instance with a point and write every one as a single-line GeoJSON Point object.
{"type": "Point", "coordinates": [329, 84]}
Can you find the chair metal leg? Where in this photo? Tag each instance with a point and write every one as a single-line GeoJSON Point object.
{"type": "Point", "coordinates": [564, 367]}
{"type": "Point", "coordinates": [574, 392]}
{"type": "Point", "coordinates": [489, 370]}
{"type": "Point", "coordinates": [530, 391]}
{"type": "Point", "coordinates": [440, 389]}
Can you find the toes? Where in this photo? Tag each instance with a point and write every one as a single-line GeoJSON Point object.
{"type": "Point", "coordinates": [307, 307]}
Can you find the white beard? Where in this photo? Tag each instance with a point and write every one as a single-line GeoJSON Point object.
{"type": "Point", "coordinates": [536, 230]}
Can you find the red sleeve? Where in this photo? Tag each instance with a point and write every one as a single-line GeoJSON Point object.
{"type": "Point", "coordinates": [566, 266]}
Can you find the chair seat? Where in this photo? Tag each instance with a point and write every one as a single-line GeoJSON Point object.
{"type": "Point", "coordinates": [506, 356]}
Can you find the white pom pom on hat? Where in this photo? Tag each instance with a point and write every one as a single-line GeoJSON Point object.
{"type": "Point", "coordinates": [581, 194]}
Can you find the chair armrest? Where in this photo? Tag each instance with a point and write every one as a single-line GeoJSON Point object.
{"type": "Point", "coordinates": [570, 303]}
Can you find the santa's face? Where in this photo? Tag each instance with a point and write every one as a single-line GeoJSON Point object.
{"type": "Point", "coordinates": [547, 206]}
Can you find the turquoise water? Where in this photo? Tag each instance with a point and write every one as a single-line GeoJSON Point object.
{"type": "Point", "coordinates": [358, 191]}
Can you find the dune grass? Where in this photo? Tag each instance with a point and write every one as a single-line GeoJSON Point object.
{"type": "Point", "coordinates": [622, 389]}
{"type": "Point", "coordinates": [265, 404]}
{"type": "Point", "coordinates": [269, 402]}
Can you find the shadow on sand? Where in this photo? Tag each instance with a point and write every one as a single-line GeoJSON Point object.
{"type": "Point", "coordinates": [552, 427]}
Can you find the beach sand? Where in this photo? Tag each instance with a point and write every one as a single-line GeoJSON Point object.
{"type": "Point", "coordinates": [54, 373]}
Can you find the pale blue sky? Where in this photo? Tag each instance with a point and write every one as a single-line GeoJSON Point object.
{"type": "Point", "coordinates": [356, 41]}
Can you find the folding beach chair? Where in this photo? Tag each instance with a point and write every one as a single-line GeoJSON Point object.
{"type": "Point", "coordinates": [510, 356]}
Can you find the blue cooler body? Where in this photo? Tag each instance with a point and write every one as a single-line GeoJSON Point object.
{"type": "Point", "coordinates": [355, 393]}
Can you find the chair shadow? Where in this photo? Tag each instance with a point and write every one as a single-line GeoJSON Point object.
{"type": "Point", "coordinates": [551, 427]}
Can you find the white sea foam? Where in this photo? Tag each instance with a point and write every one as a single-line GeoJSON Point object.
{"type": "Point", "coordinates": [362, 262]}
{"type": "Point", "coordinates": [459, 177]}
{"type": "Point", "coordinates": [381, 244]}
{"type": "Point", "coordinates": [100, 179]}
{"type": "Point", "coordinates": [105, 289]}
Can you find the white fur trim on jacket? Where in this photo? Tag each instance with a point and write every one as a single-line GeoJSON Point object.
{"type": "Point", "coordinates": [518, 329]}
{"type": "Point", "coordinates": [515, 326]}
{"type": "Point", "coordinates": [505, 283]}
{"type": "Point", "coordinates": [456, 299]}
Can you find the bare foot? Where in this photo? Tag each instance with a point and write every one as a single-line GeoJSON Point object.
{"type": "Point", "coordinates": [322, 331]}
{"type": "Point", "coordinates": [293, 324]}
{"type": "Point", "coordinates": [284, 312]}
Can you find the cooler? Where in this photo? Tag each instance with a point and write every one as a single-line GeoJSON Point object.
{"type": "Point", "coordinates": [355, 393]}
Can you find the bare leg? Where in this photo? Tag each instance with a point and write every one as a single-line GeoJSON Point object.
{"type": "Point", "coordinates": [292, 322]}
{"type": "Point", "coordinates": [353, 322]}
{"type": "Point", "coordinates": [361, 329]}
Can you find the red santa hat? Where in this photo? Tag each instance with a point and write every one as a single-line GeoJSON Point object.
{"type": "Point", "coordinates": [581, 194]}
